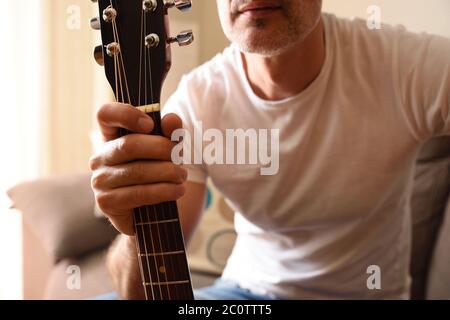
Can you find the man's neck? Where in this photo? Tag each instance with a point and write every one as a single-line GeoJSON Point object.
{"type": "Point", "coordinates": [287, 74]}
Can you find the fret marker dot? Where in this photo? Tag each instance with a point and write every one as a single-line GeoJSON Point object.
{"type": "Point", "coordinates": [162, 270]}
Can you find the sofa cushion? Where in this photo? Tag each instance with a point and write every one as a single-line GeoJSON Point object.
{"type": "Point", "coordinates": [428, 202]}
{"type": "Point", "coordinates": [438, 286]}
{"type": "Point", "coordinates": [436, 148]}
{"type": "Point", "coordinates": [60, 211]}
{"type": "Point", "coordinates": [93, 279]}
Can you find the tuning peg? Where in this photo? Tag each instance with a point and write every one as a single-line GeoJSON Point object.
{"type": "Point", "coordinates": [95, 23]}
{"type": "Point", "coordinates": [98, 55]}
{"type": "Point", "coordinates": [149, 5]}
{"type": "Point", "coordinates": [184, 38]}
{"type": "Point", "coordinates": [182, 5]}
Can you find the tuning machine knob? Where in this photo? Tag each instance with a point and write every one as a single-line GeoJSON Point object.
{"type": "Point", "coordinates": [95, 23]}
{"type": "Point", "coordinates": [149, 5]}
{"type": "Point", "coordinates": [182, 5]}
{"type": "Point", "coordinates": [184, 38]}
{"type": "Point", "coordinates": [98, 55]}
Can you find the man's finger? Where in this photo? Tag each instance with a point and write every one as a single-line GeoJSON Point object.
{"type": "Point", "coordinates": [170, 123]}
{"type": "Point", "coordinates": [131, 148]}
{"type": "Point", "coordinates": [113, 116]}
{"type": "Point", "coordinates": [118, 201]}
{"type": "Point", "coordinates": [138, 173]}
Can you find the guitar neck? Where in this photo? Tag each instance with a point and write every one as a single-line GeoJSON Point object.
{"type": "Point", "coordinates": [135, 53]}
{"type": "Point", "coordinates": [160, 246]}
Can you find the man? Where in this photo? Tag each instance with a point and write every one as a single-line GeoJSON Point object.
{"type": "Point", "coordinates": [353, 107]}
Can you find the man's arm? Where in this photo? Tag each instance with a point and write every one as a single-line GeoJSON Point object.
{"type": "Point", "coordinates": [122, 260]}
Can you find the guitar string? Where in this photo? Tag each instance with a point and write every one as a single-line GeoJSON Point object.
{"type": "Point", "coordinates": [124, 74]}
{"type": "Point", "coordinates": [140, 59]}
{"type": "Point", "coordinates": [117, 62]}
{"type": "Point", "coordinates": [146, 207]}
{"type": "Point", "coordinates": [173, 227]}
{"type": "Point", "coordinates": [154, 207]}
{"type": "Point", "coordinates": [165, 270]}
{"type": "Point", "coordinates": [140, 213]}
{"type": "Point", "coordinates": [174, 232]}
{"type": "Point", "coordinates": [170, 232]}
{"type": "Point", "coordinates": [117, 40]}
{"type": "Point", "coordinates": [122, 63]}
{"type": "Point", "coordinates": [138, 245]}
{"type": "Point", "coordinates": [161, 205]}
{"type": "Point", "coordinates": [117, 69]}
{"type": "Point", "coordinates": [151, 284]}
{"type": "Point", "coordinates": [145, 100]}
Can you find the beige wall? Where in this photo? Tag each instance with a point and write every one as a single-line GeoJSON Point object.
{"type": "Point", "coordinates": [71, 87]}
{"type": "Point", "coordinates": [209, 40]}
{"type": "Point", "coordinates": [416, 15]}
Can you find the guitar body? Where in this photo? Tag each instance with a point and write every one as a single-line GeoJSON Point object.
{"type": "Point", "coordinates": [136, 57]}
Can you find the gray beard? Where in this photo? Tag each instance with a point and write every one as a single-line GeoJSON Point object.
{"type": "Point", "coordinates": [280, 42]}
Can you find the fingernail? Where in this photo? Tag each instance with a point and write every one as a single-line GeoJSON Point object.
{"type": "Point", "coordinates": [146, 124]}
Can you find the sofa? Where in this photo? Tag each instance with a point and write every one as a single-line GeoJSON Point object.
{"type": "Point", "coordinates": [64, 232]}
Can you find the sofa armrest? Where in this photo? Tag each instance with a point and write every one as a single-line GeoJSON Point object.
{"type": "Point", "coordinates": [60, 212]}
{"type": "Point", "coordinates": [37, 264]}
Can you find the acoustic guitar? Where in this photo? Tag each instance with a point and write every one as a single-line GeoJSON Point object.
{"type": "Point", "coordinates": [136, 57]}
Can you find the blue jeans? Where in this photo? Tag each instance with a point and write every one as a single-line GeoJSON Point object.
{"type": "Point", "coordinates": [220, 290]}
{"type": "Point", "coordinates": [225, 290]}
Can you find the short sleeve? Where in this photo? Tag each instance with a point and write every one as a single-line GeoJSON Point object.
{"type": "Point", "coordinates": [182, 103]}
{"type": "Point", "coordinates": [422, 63]}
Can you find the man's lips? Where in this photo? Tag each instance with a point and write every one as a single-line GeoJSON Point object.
{"type": "Point", "coordinates": [257, 7]}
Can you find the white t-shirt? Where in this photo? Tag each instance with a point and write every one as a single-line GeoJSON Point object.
{"type": "Point", "coordinates": [348, 144]}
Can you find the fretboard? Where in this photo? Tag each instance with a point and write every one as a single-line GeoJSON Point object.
{"type": "Point", "coordinates": [161, 253]}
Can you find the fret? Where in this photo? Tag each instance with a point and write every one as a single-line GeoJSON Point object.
{"type": "Point", "coordinates": [168, 267]}
{"type": "Point", "coordinates": [165, 283]}
{"type": "Point", "coordinates": [156, 213]}
{"type": "Point", "coordinates": [160, 254]}
{"type": "Point", "coordinates": [156, 222]}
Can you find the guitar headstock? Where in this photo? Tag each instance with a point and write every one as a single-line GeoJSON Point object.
{"type": "Point", "coordinates": [136, 46]}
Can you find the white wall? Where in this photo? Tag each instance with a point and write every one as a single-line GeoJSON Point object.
{"type": "Point", "coordinates": [417, 15]}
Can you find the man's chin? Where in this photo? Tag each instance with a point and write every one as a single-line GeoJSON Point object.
{"type": "Point", "coordinates": [262, 49]}
{"type": "Point", "coordinates": [260, 44]}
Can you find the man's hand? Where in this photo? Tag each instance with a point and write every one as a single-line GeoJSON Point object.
{"type": "Point", "coordinates": [136, 170]}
